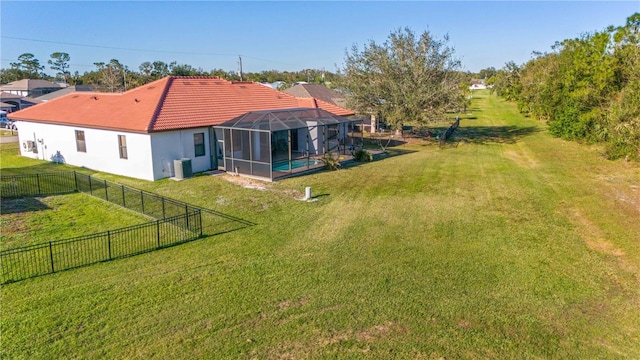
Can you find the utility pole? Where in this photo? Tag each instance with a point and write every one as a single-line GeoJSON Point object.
{"type": "Point", "coordinates": [124, 77]}
{"type": "Point", "coordinates": [240, 63]}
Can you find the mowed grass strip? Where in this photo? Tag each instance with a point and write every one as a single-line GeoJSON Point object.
{"type": "Point", "coordinates": [33, 220]}
{"type": "Point", "coordinates": [507, 243]}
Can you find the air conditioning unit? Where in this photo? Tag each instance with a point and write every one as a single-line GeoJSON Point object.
{"type": "Point", "coordinates": [182, 168]}
{"type": "Point", "coordinates": [30, 146]}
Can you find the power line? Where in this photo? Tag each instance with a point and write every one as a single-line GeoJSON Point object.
{"type": "Point", "coordinates": [15, 61]}
{"type": "Point", "coordinates": [139, 50]}
{"type": "Point", "coordinates": [114, 47]}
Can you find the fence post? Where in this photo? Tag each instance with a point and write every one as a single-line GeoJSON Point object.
{"type": "Point", "coordinates": [75, 180]}
{"type": "Point", "coordinates": [38, 181]}
{"type": "Point", "coordinates": [158, 230]}
{"type": "Point", "coordinates": [163, 215]}
{"type": "Point", "coordinates": [51, 256]}
{"type": "Point", "coordinates": [109, 242]}
{"type": "Point", "coordinates": [201, 226]}
{"type": "Point", "coordinates": [142, 201]}
{"type": "Point", "coordinates": [90, 186]}
{"type": "Point", "coordinates": [106, 190]}
{"type": "Point", "coordinates": [124, 204]}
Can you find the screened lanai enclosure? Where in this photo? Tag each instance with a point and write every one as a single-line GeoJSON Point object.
{"type": "Point", "coordinates": [276, 143]}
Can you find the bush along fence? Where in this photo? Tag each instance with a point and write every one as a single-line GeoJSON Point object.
{"type": "Point", "coordinates": [449, 132]}
{"type": "Point", "coordinates": [177, 222]}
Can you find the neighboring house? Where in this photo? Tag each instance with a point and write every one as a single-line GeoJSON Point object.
{"type": "Point", "coordinates": [7, 107]}
{"type": "Point", "coordinates": [30, 88]}
{"type": "Point", "coordinates": [477, 84]}
{"type": "Point", "coordinates": [64, 91]}
{"type": "Point", "coordinates": [141, 132]}
{"type": "Point", "coordinates": [16, 102]}
{"type": "Point", "coordinates": [321, 92]}
{"type": "Point", "coordinates": [274, 85]}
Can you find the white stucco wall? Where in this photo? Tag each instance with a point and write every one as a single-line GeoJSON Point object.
{"type": "Point", "coordinates": [102, 148]}
{"type": "Point", "coordinates": [174, 145]}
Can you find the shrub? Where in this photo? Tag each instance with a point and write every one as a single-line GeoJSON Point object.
{"type": "Point", "coordinates": [362, 156]}
{"type": "Point", "coordinates": [330, 162]}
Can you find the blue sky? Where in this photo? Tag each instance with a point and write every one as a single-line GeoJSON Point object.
{"type": "Point", "coordinates": [288, 35]}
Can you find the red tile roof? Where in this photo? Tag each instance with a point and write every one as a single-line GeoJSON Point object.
{"type": "Point", "coordinates": [168, 104]}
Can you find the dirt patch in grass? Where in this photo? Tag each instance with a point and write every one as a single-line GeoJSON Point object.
{"type": "Point", "coordinates": [362, 339]}
{"type": "Point", "coordinates": [283, 305]}
{"type": "Point", "coordinates": [596, 240]}
{"type": "Point", "coordinates": [522, 156]}
{"type": "Point", "coordinates": [247, 182]}
{"type": "Point", "coordinates": [623, 190]}
{"type": "Point", "coordinates": [368, 335]}
{"type": "Point", "coordinates": [593, 237]}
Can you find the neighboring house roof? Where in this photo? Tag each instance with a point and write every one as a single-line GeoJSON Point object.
{"type": "Point", "coordinates": [317, 91]}
{"type": "Point", "coordinates": [273, 85]}
{"type": "Point", "coordinates": [9, 96]}
{"type": "Point", "coordinates": [4, 96]}
{"type": "Point", "coordinates": [4, 105]}
{"type": "Point", "coordinates": [64, 91]}
{"type": "Point", "coordinates": [170, 103]}
{"type": "Point", "coordinates": [28, 85]}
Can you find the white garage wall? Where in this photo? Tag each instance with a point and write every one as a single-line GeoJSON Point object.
{"type": "Point", "coordinates": [103, 151]}
{"type": "Point", "coordinates": [101, 145]}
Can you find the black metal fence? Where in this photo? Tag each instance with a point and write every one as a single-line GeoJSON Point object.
{"type": "Point", "coordinates": [47, 258]}
{"type": "Point", "coordinates": [177, 222]}
{"type": "Point", "coordinates": [16, 186]}
{"type": "Point", "coordinates": [143, 202]}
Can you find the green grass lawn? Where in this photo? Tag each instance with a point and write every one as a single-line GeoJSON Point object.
{"type": "Point", "coordinates": [507, 243]}
{"type": "Point", "coordinates": [5, 132]}
{"type": "Point", "coordinates": [35, 220]}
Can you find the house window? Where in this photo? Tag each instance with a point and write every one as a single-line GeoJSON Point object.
{"type": "Point", "coordinates": [81, 146]}
{"type": "Point", "coordinates": [198, 143]}
{"type": "Point", "coordinates": [122, 145]}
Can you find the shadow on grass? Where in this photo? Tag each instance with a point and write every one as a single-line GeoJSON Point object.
{"type": "Point", "coordinates": [382, 140]}
{"type": "Point", "coordinates": [378, 155]}
{"type": "Point", "coordinates": [484, 134]}
{"type": "Point", "coordinates": [217, 223]}
{"type": "Point", "coordinates": [493, 134]}
{"type": "Point", "coordinates": [22, 205]}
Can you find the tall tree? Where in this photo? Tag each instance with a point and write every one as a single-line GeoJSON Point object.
{"type": "Point", "coordinates": [487, 73]}
{"type": "Point", "coordinates": [60, 61]}
{"type": "Point", "coordinates": [408, 79]}
{"type": "Point", "coordinates": [506, 81]}
{"type": "Point", "coordinates": [186, 70]}
{"type": "Point", "coordinates": [587, 89]}
{"type": "Point", "coordinates": [623, 115]}
{"type": "Point", "coordinates": [28, 63]}
{"type": "Point", "coordinates": [112, 75]}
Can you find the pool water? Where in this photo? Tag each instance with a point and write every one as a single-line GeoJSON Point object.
{"type": "Point", "coordinates": [295, 164]}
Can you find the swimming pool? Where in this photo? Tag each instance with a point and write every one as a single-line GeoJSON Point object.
{"type": "Point", "coordinates": [295, 164]}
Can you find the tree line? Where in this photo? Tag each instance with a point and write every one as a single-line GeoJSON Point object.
{"type": "Point", "coordinates": [410, 79]}
{"type": "Point", "coordinates": [113, 76]}
{"type": "Point", "coordinates": [586, 89]}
